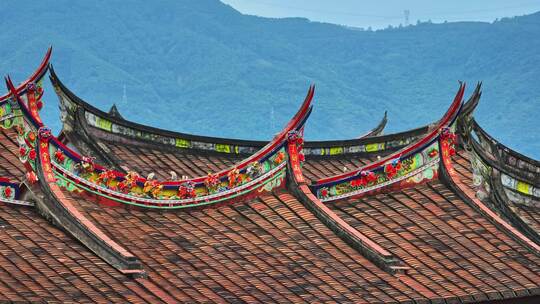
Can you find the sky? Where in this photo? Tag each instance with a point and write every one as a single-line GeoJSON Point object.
{"type": "Point", "coordinates": [381, 13]}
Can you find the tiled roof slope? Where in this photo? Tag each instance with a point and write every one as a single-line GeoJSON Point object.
{"type": "Point", "coordinates": [40, 263]}
{"type": "Point", "coordinates": [429, 243]}
{"type": "Point", "coordinates": [267, 249]}
{"type": "Point", "coordinates": [10, 165]}
{"type": "Point", "coordinates": [453, 250]}
{"type": "Point", "coordinates": [529, 214]}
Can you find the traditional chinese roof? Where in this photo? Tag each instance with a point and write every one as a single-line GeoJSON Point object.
{"type": "Point", "coordinates": [439, 214]}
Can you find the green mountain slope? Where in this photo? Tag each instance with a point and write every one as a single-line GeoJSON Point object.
{"type": "Point", "coordinates": [202, 67]}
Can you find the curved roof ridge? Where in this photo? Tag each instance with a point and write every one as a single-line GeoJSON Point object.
{"type": "Point", "coordinates": [374, 136]}
{"type": "Point", "coordinates": [204, 190]}
{"type": "Point", "coordinates": [506, 159]}
{"type": "Point", "coordinates": [450, 176]}
{"type": "Point", "coordinates": [35, 77]}
{"type": "Point", "coordinates": [88, 107]}
{"type": "Point", "coordinates": [450, 115]}
{"type": "Point", "coordinates": [296, 122]}
{"type": "Point", "coordinates": [507, 187]}
{"type": "Point", "coordinates": [66, 214]}
{"type": "Point", "coordinates": [502, 199]}
{"type": "Point", "coordinates": [60, 208]}
{"type": "Point", "coordinates": [379, 129]}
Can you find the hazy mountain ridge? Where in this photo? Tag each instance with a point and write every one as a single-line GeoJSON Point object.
{"type": "Point", "coordinates": [205, 68]}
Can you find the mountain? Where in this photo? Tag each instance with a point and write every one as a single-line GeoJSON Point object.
{"type": "Point", "coordinates": [203, 67]}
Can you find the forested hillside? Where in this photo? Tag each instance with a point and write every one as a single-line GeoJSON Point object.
{"type": "Point", "coordinates": [202, 67]}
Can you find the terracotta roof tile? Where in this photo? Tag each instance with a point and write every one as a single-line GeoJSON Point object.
{"type": "Point", "coordinates": [161, 161]}
{"type": "Point", "coordinates": [39, 262]}
{"type": "Point", "coordinates": [452, 249]}
{"type": "Point", "coordinates": [268, 249]}
{"type": "Point", "coordinates": [10, 165]}
{"type": "Point", "coordinates": [530, 214]}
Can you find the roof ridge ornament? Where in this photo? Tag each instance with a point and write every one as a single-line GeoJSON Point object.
{"type": "Point", "coordinates": [82, 173]}
{"type": "Point", "coordinates": [466, 117]}
{"type": "Point", "coordinates": [400, 168]}
{"type": "Point", "coordinates": [114, 112]}
{"type": "Point", "coordinates": [34, 78]}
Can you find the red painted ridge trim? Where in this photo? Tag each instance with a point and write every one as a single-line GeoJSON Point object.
{"type": "Point", "coordinates": [39, 71]}
{"type": "Point", "coordinates": [32, 105]}
{"type": "Point", "coordinates": [111, 194]}
{"type": "Point", "coordinates": [445, 119]}
{"type": "Point", "coordinates": [278, 139]}
{"type": "Point", "coordinates": [37, 118]}
{"type": "Point", "coordinates": [295, 164]}
{"type": "Point", "coordinates": [297, 118]}
{"type": "Point", "coordinates": [299, 179]}
{"type": "Point", "coordinates": [13, 92]}
{"type": "Point", "coordinates": [447, 163]}
{"type": "Point", "coordinates": [46, 166]}
{"type": "Point", "coordinates": [382, 187]}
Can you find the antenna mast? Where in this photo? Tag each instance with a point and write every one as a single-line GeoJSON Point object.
{"type": "Point", "coordinates": [406, 13]}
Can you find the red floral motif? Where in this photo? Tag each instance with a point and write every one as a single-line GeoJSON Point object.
{"type": "Point", "coordinates": [392, 169]}
{"type": "Point", "coordinates": [7, 192]}
{"type": "Point", "coordinates": [31, 177]}
{"type": "Point", "coordinates": [371, 177]}
{"type": "Point", "coordinates": [59, 156]}
{"type": "Point", "coordinates": [301, 157]}
{"type": "Point", "coordinates": [324, 192]}
{"type": "Point", "coordinates": [31, 136]}
{"type": "Point", "coordinates": [451, 151]}
{"type": "Point", "coordinates": [32, 155]}
{"type": "Point", "coordinates": [433, 153]}
{"type": "Point", "coordinates": [360, 182]}
{"type": "Point", "coordinates": [211, 182]}
{"type": "Point", "coordinates": [122, 187]}
{"type": "Point", "coordinates": [450, 139]}
{"type": "Point", "coordinates": [22, 151]}
{"type": "Point", "coordinates": [279, 158]}
{"type": "Point", "coordinates": [234, 178]}
{"type": "Point", "coordinates": [299, 141]}
{"type": "Point", "coordinates": [186, 190]}
{"type": "Point", "coordinates": [106, 177]}
{"type": "Point", "coordinates": [39, 105]}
